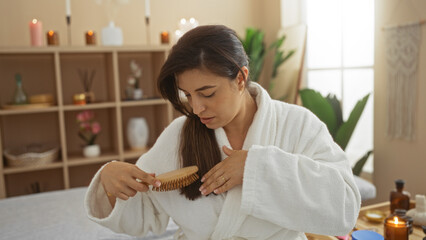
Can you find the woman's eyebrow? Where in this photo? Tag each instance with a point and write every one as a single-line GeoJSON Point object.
{"type": "Point", "coordinates": [201, 88]}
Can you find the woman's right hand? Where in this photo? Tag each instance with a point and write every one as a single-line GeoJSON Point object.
{"type": "Point", "coordinates": [124, 180]}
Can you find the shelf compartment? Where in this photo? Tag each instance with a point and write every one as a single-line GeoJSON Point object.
{"type": "Point", "coordinates": [23, 183]}
{"type": "Point", "coordinates": [21, 131]}
{"type": "Point", "coordinates": [81, 176]}
{"type": "Point", "coordinates": [156, 117]}
{"type": "Point", "coordinates": [107, 139]}
{"type": "Point", "coordinates": [150, 62]}
{"type": "Point", "coordinates": [12, 170]}
{"type": "Point", "coordinates": [103, 83]}
{"type": "Point", "coordinates": [37, 72]}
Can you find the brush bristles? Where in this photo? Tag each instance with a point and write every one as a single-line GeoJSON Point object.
{"type": "Point", "coordinates": [176, 183]}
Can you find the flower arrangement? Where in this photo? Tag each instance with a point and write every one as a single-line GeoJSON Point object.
{"type": "Point", "coordinates": [133, 91]}
{"type": "Point", "coordinates": [88, 127]}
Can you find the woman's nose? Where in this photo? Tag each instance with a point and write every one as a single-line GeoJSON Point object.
{"type": "Point", "coordinates": [197, 106]}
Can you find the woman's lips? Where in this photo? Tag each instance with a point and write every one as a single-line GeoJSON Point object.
{"type": "Point", "coordinates": [206, 120]}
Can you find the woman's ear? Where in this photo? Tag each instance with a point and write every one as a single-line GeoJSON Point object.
{"type": "Point", "coordinates": [242, 79]}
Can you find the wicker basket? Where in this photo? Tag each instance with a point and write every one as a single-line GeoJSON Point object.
{"type": "Point", "coordinates": [31, 156]}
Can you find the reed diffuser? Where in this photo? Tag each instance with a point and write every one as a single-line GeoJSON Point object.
{"type": "Point", "coordinates": [86, 79]}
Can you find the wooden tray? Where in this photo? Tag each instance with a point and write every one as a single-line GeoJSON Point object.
{"type": "Point", "coordinates": [364, 224]}
{"type": "Point", "coordinates": [27, 106]}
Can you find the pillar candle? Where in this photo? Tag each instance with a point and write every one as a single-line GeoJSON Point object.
{"type": "Point", "coordinates": [36, 34]}
{"type": "Point", "coordinates": [165, 37]}
{"type": "Point", "coordinates": [52, 38]}
{"type": "Point", "coordinates": [147, 9]}
{"type": "Point", "coordinates": [68, 7]}
{"type": "Point", "coordinates": [90, 38]}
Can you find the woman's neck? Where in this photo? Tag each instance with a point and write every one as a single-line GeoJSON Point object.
{"type": "Point", "coordinates": [236, 130]}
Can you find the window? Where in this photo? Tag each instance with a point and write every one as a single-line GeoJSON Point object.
{"type": "Point", "coordinates": [340, 59]}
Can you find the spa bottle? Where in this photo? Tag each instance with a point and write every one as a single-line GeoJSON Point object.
{"type": "Point", "coordinates": [399, 199]}
{"type": "Point", "coordinates": [20, 97]}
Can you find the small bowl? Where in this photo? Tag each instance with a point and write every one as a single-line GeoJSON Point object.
{"type": "Point", "coordinates": [375, 216]}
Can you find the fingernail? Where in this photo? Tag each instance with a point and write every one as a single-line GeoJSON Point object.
{"type": "Point", "coordinates": [216, 191]}
{"type": "Point", "coordinates": [203, 192]}
{"type": "Point", "coordinates": [202, 179]}
{"type": "Point", "coordinates": [157, 183]}
{"type": "Point", "coordinates": [201, 188]}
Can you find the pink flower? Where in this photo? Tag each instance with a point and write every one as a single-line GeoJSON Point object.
{"type": "Point", "coordinates": [80, 117]}
{"type": "Point", "coordinates": [96, 127]}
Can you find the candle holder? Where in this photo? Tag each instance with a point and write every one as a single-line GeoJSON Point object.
{"type": "Point", "coordinates": [398, 226]}
{"type": "Point", "coordinates": [90, 38]}
{"type": "Point", "coordinates": [165, 37]}
{"type": "Point", "coordinates": [52, 38]}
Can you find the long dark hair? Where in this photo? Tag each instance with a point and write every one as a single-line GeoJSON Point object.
{"type": "Point", "coordinates": [218, 49]}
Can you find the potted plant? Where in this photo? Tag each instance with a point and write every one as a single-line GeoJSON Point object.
{"type": "Point", "coordinates": [88, 131]}
{"type": "Point", "coordinates": [329, 111]}
{"type": "Point", "coordinates": [133, 90]}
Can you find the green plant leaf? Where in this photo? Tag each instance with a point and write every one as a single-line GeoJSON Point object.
{"type": "Point", "coordinates": [313, 101]}
{"type": "Point", "coordinates": [357, 169]}
{"type": "Point", "coordinates": [335, 103]}
{"type": "Point", "coordinates": [344, 133]}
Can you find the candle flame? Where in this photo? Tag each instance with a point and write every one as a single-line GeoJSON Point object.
{"type": "Point", "coordinates": [50, 33]}
{"type": "Point", "coordinates": [90, 32]}
{"type": "Point", "coordinates": [34, 21]}
{"type": "Point", "coordinates": [396, 220]}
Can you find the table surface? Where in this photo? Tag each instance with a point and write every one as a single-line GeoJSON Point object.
{"type": "Point", "coordinates": [364, 224]}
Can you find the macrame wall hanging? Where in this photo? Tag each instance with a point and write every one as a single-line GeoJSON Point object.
{"type": "Point", "coordinates": [402, 57]}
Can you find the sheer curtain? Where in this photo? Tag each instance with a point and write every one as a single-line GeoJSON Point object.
{"type": "Point", "coordinates": [340, 60]}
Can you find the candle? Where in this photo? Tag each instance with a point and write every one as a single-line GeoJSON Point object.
{"type": "Point", "coordinates": [165, 37]}
{"type": "Point", "coordinates": [68, 7]}
{"type": "Point", "coordinates": [396, 229]}
{"type": "Point", "coordinates": [90, 38]}
{"type": "Point", "coordinates": [36, 33]}
{"type": "Point", "coordinates": [52, 38]}
{"type": "Point", "coordinates": [147, 9]}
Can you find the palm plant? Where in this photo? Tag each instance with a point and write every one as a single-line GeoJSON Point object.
{"type": "Point", "coordinates": [329, 111]}
{"type": "Point", "coordinates": [256, 50]}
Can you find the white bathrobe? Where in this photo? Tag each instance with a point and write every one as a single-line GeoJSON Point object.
{"type": "Point", "coordinates": [296, 180]}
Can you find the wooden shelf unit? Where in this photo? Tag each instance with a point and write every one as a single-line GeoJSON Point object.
{"type": "Point", "coordinates": [54, 70]}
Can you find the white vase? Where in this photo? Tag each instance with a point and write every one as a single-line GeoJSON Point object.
{"type": "Point", "coordinates": [112, 35]}
{"type": "Point", "coordinates": [137, 133]}
{"type": "Point", "coordinates": [137, 94]}
{"type": "Point", "coordinates": [91, 150]}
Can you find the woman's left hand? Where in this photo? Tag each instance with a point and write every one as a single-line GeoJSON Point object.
{"type": "Point", "coordinates": [226, 174]}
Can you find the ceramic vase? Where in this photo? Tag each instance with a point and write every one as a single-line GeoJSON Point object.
{"type": "Point", "coordinates": [112, 35]}
{"type": "Point", "coordinates": [137, 133]}
{"type": "Point", "coordinates": [91, 150]}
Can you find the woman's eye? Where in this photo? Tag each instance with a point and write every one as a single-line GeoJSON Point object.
{"type": "Point", "coordinates": [211, 95]}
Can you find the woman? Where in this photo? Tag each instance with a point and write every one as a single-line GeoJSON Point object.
{"type": "Point", "coordinates": [270, 170]}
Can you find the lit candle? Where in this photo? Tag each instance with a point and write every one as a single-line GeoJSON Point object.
{"type": "Point", "coordinates": [36, 33]}
{"type": "Point", "coordinates": [396, 229]}
{"type": "Point", "coordinates": [90, 38]}
{"type": "Point", "coordinates": [52, 38]}
{"type": "Point", "coordinates": [165, 37]}
{"type": "Point", "coordinates": [147, 9]}
{"type": "Point", "coordinates": [68, 7]}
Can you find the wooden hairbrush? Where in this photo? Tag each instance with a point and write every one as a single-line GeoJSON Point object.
{"type": "Point", "coordinates": [176, 179]}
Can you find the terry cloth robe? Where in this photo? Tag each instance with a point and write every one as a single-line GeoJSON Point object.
{"type": "Point", "coordinates": [296, 180]}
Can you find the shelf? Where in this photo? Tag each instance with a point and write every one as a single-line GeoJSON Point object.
{"type": "Point", "coordinates": [78, 160]}
{"type": "Point", "coordinates": [12, 170]}
{"type": "Point", "coordinates": [89, 106]}
{"type": "Point", "coordinates": [29, 111]}
{"type": "Point", "coordinates": [147, 102]}
{"type": "Point", "coordinates": [57, 71]}
{"type": "Point", "coordinates": [84, 49]}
